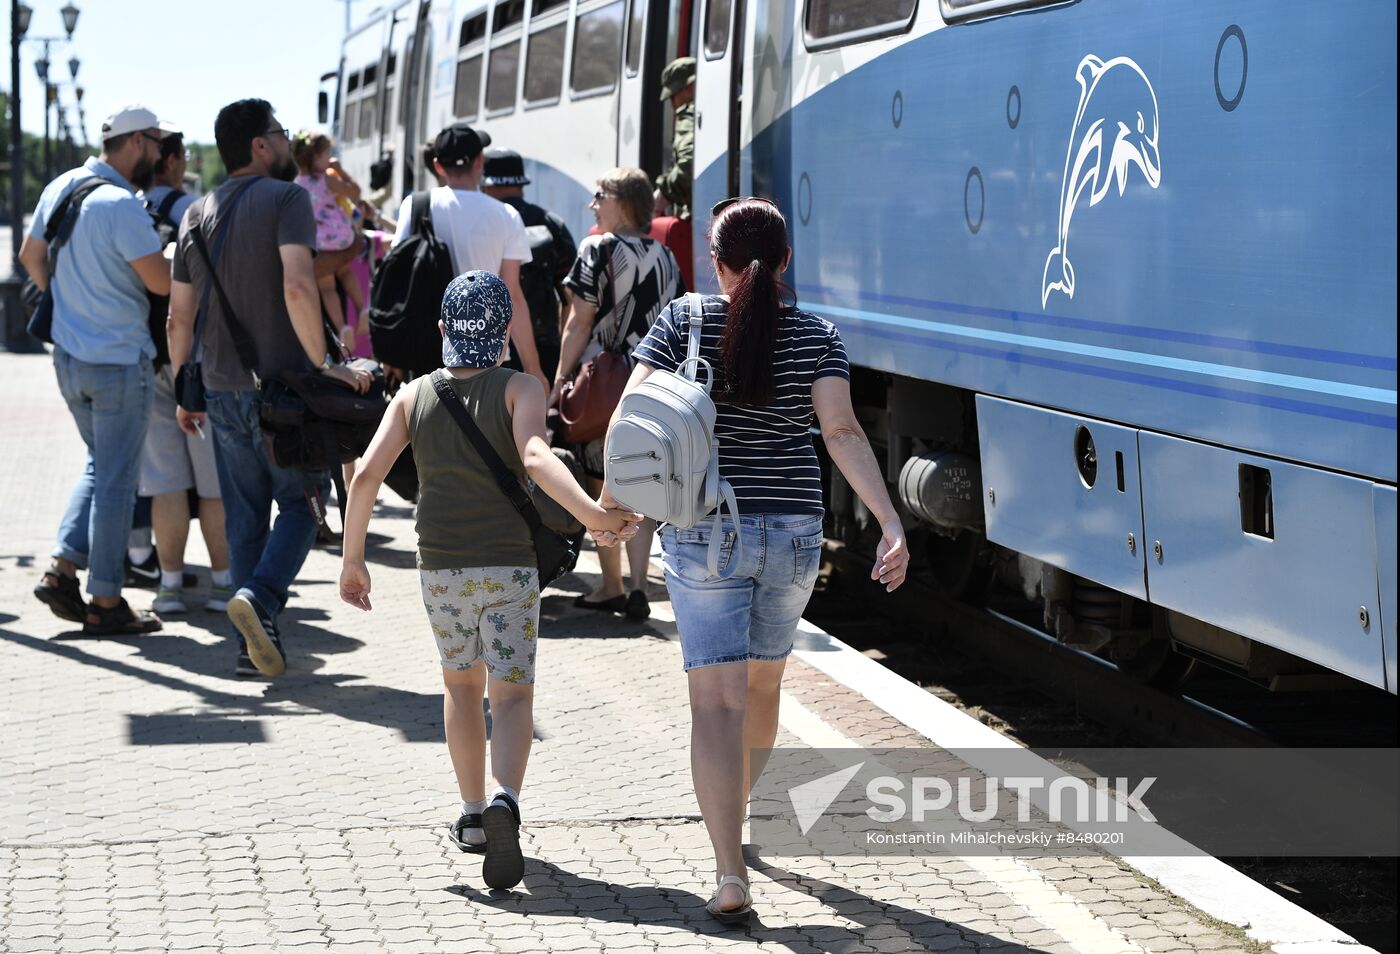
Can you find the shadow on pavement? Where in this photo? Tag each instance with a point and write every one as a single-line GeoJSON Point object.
{"type": "Point", "coordinates": [555, 891]}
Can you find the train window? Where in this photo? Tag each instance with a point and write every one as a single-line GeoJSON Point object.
{"type": "Point", "coordinates": [544, 65]}
{"type": "Point", "coordinates": [467, 94]}
{"type": "Point", "coordinates": [347, 125]}
{"type": "Point", "coordinates": [473, 29]}
{"type": "Point", "coordinates": [393, 65]}
{"type": "Point", "coordinates": [352, 84]}
{"type": "Point", "coordinates": [597, 50]}
{"type": "Point", "coordinates": [500, 77]}
{"type": "Point", "coordinates": [543, 6]}
{"type": "Point", "coordinates": [369, 117]}
{"type": "Point", "coordinates": [955, 10]}
{"type": "Point", "coordinates": [371, 73]}
{"type": "Point", "coordinates": [717, 29]}
{"type": "Point", "coordinates": [634, 37]}
{"type": "Point", "coordinates": [508, 14]}
{"type": "Point", "coordinates": [838, 22]}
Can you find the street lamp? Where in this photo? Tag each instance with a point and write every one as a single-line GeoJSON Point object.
{"type": "Point", "coordinates": [41, 66]}
{"type": "Point", "coordinates": [70, 18]}
{"type": "Point", "coordinates": [23, 12]}
{"type": "Point", "coordinates": [73, 65]}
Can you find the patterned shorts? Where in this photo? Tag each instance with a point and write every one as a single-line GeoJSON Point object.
{"type": "Point", "coordinates": [490, 613]}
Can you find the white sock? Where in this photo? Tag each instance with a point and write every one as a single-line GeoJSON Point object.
{"type": "Point", "coordinates": [173, 580]}
{"type": "Point", "coordinates": [474, 836]}
{"type": "Point", "coordinates": [221, 577]}
{"type": "Point", "coordinates": [140, 554]}
{"type": "Point", "coordinates": [507, 790]}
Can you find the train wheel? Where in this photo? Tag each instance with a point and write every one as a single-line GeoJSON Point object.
{"type": "Point", "coordinates": [1156, 662]}
{"type": "Point", "coordinates": [957, 565]}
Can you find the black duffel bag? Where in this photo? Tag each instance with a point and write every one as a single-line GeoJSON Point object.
{"type": "Point", "coordinates": [312, 421]}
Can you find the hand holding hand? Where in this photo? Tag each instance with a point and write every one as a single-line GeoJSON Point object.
{"type": "Point", "coordinates": [891, 558]}
{"type": "Point", "coordinates": [354, 584]}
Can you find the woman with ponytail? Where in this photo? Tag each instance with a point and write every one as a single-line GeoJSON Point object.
{"type": "Point", "coordinates": [776, 368]}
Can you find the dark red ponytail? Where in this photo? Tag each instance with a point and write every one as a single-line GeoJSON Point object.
{"type": "Point", "coordinates": [750, 239]}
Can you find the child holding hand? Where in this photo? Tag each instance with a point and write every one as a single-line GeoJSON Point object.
{"type": "Point", "coordinates": [476, 556]}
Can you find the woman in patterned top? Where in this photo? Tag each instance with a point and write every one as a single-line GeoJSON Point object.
{"type": "Point", "coordinates": [621, 281]}
{"type": "Point", "coordinates": [777, 368]}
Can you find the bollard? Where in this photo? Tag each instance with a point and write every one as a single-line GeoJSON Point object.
{"type": "Point", "coordinates": [17, 338]}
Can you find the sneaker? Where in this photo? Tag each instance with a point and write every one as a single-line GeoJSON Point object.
{"type": "Point", "coordinates": [244, 666]}
{"type": "Point", "coordinates": [169, 600]}
{"type": "Point", "coordinates": [504, 865]}
{"type": "Point", "coordinates": [218, 598]}
{"type": "Point", "coordinates": [145, 574]}
{"type": "Point", "coordinates": [259, 634]}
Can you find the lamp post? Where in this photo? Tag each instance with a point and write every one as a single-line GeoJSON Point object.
{"type": "Point", "coordinates": [19, 26]}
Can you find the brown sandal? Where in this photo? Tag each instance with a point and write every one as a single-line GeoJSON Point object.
{"type": "Point", "coordinates": [119, 620]}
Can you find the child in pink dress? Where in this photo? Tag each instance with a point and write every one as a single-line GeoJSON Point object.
{"type": "Point", "coordinates": [322, 177]}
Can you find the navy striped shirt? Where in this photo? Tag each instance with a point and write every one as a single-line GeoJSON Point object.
{"type": "Point", "coordinates": [766, 453]}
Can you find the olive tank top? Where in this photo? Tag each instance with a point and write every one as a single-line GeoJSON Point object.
{"type": "Point", "coordinates": [463, 518]}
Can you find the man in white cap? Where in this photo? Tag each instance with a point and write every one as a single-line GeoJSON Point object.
{"type": "Point", "coordinates": [102, 356]}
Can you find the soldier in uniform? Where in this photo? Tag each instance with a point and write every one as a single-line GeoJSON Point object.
{"type": "Point", "coordinates": [673, 185]}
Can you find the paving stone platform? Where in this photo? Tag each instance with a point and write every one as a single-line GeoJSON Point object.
{"type": "Point", "coordinates": [151, 801]}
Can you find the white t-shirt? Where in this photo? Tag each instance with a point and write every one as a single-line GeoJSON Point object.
{"type": "Point", "coordinates": [480, 231]}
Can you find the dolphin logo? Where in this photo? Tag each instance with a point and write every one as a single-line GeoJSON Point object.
{"type": "Point", "coordinates": [1116, 127]}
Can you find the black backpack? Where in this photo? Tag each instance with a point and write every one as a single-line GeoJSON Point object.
{"type": "Point", "coordinates": [406, 300]}
{"type": "Point", "coordinates": [168, 230]}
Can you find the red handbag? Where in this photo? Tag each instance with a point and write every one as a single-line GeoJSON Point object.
{"type": "Point", "coordinates": [586, 403]}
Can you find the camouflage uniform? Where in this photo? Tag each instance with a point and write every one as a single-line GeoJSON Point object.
{"type": "Point", "coordinates": [676, 181]}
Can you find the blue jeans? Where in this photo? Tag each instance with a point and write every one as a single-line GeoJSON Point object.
{"type": "Point", "coordinates": [111, 404]}
{"type": "Point", "coordinates": [265, 556]}
{"type": "Point", "coordinates": [753, 613]}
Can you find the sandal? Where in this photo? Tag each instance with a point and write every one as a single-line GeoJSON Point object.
{"type": "Point", "coordinates": [457, 833]}
{"type": "Point", "coordinates": [504, 865]}
{"type": "Point", "coordinates": [119, 620]}
{"type": "Point", "coordinates": [737, 915]}
{"type": "Point", "coordinates": [617, 604]}
{"type": "Point", "coordinates": [62, 596]}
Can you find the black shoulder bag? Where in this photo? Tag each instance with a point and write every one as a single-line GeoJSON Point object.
{"type": "Point", "coordinates": [57, 231]}
{"type": "Point", "coordinates": [554, 554]}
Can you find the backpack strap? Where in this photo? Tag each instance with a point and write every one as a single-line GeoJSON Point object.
{"type": "Point", "coordinates": [420, 215]}
{"type": "Point", "coordinates": [64, 218]}
{"type": "Point", "coordinates": [162, 211]}
{"type": "Point", "coordinates": [242, 342]}
{"type": "Point", "coordinates": [726, 492]}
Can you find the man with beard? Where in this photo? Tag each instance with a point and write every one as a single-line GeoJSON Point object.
{"type": "Point", "coordinates": [102, 356]}
{"type": "Point", "coordinates": [259, 230]}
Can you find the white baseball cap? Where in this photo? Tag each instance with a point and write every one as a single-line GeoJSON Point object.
{"type": "Point", "coordinates": [134, 117]}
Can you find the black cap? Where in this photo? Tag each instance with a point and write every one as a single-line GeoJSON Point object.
{"type": "Point", "coordinates": [504, 167]}
{"type": "Point", "coordinates": [459, 145]}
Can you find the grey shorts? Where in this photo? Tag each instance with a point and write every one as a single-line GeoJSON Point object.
{"type": "Point", "coordinates": [173, 460]}
{"type": "Point", "coordinates": [490, 613]}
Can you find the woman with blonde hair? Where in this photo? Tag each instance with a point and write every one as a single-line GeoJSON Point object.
{"type": "Point", "coordinates": [621, 281]}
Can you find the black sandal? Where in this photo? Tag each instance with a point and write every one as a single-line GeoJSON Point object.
{"type": "Point", "coordinates": [457, 832]}
{"type": "Point", "coordinates": [504, 865]}
{"type": "Point", "coordinates": [62, 596]}
{"type": "Point", "coordinates": [119, 620]}
{"type": "Point", "coordinates": [615, 605]}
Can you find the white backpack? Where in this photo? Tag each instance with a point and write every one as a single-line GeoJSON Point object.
{"type": "Point", "coordinates": [663, 458]}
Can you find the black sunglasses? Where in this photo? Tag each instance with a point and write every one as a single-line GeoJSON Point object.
{"type": "Point", "coordinates": [282, 131]}
{"type": "Point", "coordinates": [600, 196]}
{"type": "Point", "coordinates": [723, 204]}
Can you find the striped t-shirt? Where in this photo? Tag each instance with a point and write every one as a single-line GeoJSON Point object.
{"type": "Point", "coordinates": [766, 453]}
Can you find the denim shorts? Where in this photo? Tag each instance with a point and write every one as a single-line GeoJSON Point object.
{"type": "Point", "coordinates": [753, 613]}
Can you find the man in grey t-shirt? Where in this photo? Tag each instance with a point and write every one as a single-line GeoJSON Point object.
{"type": "Point", "coordinates": [260, 229]}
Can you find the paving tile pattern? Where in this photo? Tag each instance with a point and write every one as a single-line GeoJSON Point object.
{"type": "Point", "coordinates": [150, 801]}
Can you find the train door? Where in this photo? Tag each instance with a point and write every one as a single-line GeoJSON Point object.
{"type": "Point", "coordinates": [719, 91]}
{"type": "Point", "coordinates": [414, 99]}
{"type": "Point", "coordinates": [641, 128]}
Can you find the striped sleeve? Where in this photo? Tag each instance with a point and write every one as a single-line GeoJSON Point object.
{"type": "Point", "coordinates": [661, 348]}
{"type": "Point", "coordinates": [833, 363]}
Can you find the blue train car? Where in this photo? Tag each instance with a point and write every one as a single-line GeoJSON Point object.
{"type": "Point", "coordinates": [1119, 278]}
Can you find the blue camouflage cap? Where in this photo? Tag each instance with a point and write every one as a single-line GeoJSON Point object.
{"type": "Point", "coordinates": [476, 312]}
